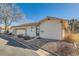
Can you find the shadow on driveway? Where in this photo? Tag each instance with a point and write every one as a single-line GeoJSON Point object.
{"type": "Point", "coordinates": [12, 42]}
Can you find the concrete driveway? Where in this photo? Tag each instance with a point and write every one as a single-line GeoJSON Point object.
{"type": "Point", "coordinates": [10, 50]}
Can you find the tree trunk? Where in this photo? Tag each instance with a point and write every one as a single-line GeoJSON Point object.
{"type": "Point", "coordinates": [6, 27]}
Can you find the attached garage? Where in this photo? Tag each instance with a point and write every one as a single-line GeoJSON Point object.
{"type": "Point", "coordinates": [17, 30]}
{"type": "Point", "coordinates": [26, 29]}
{"type": "Point", "coordinates": [20, 31]}
{"type": "Point", "coordinates": [51, 28]}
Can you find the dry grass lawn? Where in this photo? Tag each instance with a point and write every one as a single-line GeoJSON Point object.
{"type": "Point", "coordinates": [74, 38]}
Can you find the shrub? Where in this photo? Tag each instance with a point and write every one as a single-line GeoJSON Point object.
{"type": "Point", "coordinates": [26, 37]}
{"type": "Point", "coordinates": [73, 38]}
{"type": "Point", "coordinates": [9, 33]}
{"type": "Point", "coordinates": [20, 36]}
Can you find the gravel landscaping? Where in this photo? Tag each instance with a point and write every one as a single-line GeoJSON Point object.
{"type": "Point", "coordinates": [63, 48]}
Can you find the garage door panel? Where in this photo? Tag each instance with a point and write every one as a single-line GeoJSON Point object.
{"type": "Point", "coordinates": [50, 30]}
{"type": "Point", "coordinates": [20, 32]}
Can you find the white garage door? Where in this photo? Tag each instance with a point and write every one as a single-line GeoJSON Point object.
{"type": "Point", "coordinates": [20, 32]}
{"type": "Point", "coordinates": [51, 30]}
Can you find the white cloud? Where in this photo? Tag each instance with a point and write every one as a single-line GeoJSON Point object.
{"type": "Point", "coordinates": [24, 20]}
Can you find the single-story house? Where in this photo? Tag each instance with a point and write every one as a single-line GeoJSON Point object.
{"type": "Point", "coordinates": [26, 29]}
{"type": "Point", "coordinates": [2, 28]}
{"type": "Point", "coordinates": [18, 30]}
{"type": "Point", "coordinates": [48, 28]}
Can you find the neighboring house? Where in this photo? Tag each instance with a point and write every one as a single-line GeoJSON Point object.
{"type": "Point", "coordinates": [2, 29]}
{"type": "Point", "coordinates": [48, 28]}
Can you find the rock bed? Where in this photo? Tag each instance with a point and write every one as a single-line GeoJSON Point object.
{"type": "Point", "coordinates": [59, 47]}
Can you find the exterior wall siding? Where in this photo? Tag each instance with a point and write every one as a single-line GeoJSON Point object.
{"type": "Point", "coordinates": [51, 30]}
{"type": "Point", "coordinates": [31, 31]}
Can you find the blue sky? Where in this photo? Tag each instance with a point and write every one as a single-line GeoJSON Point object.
{"type": "Point", "coordinates": [38, 11]}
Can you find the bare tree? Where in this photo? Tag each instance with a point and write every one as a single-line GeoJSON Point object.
{"type": "Point", "coordinates": [9, 13]}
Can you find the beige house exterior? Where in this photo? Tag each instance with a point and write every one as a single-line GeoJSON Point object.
{"type": "Point", "coordinates": [18, 30]}
{"type": "Point", "coordinates": [2, 28]}
{"type": "Point", "coordinates": [48, 28]}
{"type": "Point", "coordinates": [53, 28]}
{"type": "Point", "coordinates": [26, 29]}
{"type": "Point", "coordinates": [31, 29]}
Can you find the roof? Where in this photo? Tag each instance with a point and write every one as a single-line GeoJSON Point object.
{"type": "Point", "coordinates": [28, 24]}
{"type": "Point", "coordinates": [3, 27]}
{"type": "Point", "coordinates": [54, 18]}
{"type": "Point", "coordinates": [37, 23]}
